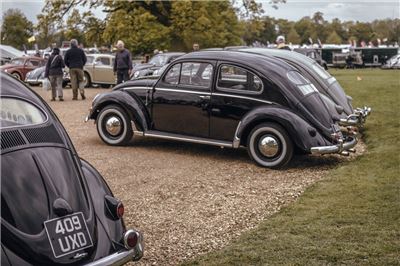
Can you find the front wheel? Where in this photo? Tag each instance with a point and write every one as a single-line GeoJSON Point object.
{"type": "Point", "coordinates": [113, 126]}
{"type": "Point", "coordinates": [269, 145]}
{"type": "Point", "coordinates": [86, 80]}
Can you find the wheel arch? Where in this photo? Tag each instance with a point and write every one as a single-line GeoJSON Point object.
{"type": "Point", "coordinates": [303, 135]}
{"type": "Point", "coordinates": [133, 108]}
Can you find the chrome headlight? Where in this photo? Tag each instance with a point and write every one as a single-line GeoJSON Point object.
{"type": "Point", "coordinates": [136, 74]}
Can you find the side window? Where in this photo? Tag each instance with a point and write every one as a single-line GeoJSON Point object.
{"type": "Point", "coordinates": [28, 63]}
{"type": "Point", "coordinates": [105, 61]}
{"type": "Point", "coordinates": [35, 63]}
{"type": "Point", "coordinates": [172, 76]}
{"type": "Point", "coordinates": [89, 60]}
{"type": "Point", "coordinates": [196, 74]}
{"type": "Point", "coordinates": [239, 79]}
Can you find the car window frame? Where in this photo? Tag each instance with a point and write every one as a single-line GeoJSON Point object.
{"type": "Point", "coordinates": [98, 59]}
{"type": "Point", "coordinates": [32, 103]}
{"type": "Point", "coordinates": [199, 87]}
{"type": "Point", "coordinates": [218, 88]}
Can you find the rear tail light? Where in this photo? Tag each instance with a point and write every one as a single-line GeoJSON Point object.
{"type": "Point", "coordinates": [120, 210]}
{"type": "Point", "coordinates": [114, 208]}
{"type": "Point", "coordinates": [131, 239]}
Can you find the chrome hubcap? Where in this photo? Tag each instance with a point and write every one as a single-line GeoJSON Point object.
{"type": "Point", "coordinates": [113, 125]}
{"type": "Point", "coordinates": [268, 146]}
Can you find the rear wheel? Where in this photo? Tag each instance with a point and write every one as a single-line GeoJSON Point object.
{"type": "Point", "coordinates": [269, 145]}
{"type": "Point", "coordinates": [113, 126]}
{"type": "Point", "coordinates": [86, 80]}
{"type": "Point", "coordinates": [16, 75]}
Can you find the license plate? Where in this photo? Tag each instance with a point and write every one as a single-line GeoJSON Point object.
{"type": "Point", "coordinates": [68, 234]}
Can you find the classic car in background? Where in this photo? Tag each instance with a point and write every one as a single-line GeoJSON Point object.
{"type": "Point", "coordinates": [36, 77]}
{"type": "Point", "coordinates": [335, 98]}
{"type": "Point", "coordinates": [392, 63]}
{"type": "Point", "coordinates": [155, 63]}
{"type": "Point", "coordinates": [56, 209]}
{"type": "Point", "coordinates": [228, 99]}
{"type": "Point", "coordinates": [18, 67]}
{"type": "Point", "coordinates": [99, 70]}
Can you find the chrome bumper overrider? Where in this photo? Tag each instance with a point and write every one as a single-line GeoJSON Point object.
{"type": "Point", "coordinates": [122, 257]}
{"type": "Point", "coordinates": [356, 119]}
{"type": "Point", "coordinates": [341, 148]}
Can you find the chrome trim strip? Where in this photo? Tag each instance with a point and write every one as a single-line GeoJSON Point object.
{"type": "Point", "coordinates": [135, 130]}
{"type": "Point", "coordinates": [242, 97]}
{"type": "Point", "coordinates": [137, 88]}
{"type": "Point", "coordinates": [236, 139]}
{"type": "Point", "coordinates": [189, 139]}
{"type": "Point", "coordinates": [185, 91]}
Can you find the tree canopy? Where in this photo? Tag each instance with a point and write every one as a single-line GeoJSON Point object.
{"type": "Point", "coordinates": [16, 28]}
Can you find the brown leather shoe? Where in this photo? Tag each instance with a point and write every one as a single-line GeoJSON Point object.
{"type": "Point", "coordinates": [83, 96]}
{"type": "Point", "coordinates": [74, 99]}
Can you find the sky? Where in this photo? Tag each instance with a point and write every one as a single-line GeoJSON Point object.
{"type": "Point", "coordinates": [361, 10]}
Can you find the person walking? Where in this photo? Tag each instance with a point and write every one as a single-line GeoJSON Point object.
{"type": "Point", "coordinates": [122, 63]}
{"type": "Point", "coordinates": [54, 72]}
{"type": "Point", "coordinates": [75, 59]}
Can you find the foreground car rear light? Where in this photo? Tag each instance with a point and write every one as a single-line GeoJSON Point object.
{"type": "Point", "coordinates": [120, 210]}
{"type": "Point", "coordinates": [131, 238]}
{"type": "Point", "coordinates": [114, 208]}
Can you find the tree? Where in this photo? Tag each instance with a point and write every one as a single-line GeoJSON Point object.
{"type": "Point", "coordinates": [46, 31]}
{"type": "Point", "coordinates": [334, 38]}
{"type": "Point", "coordinates": [361, 31]}
{"type": "Point", "coordinates": [304, 27]}
{"type": "Point", "coordinates": [293, 36]}
{"type": "Point", "coordinates": [16, 28]}
{"type": "Point", "coordinates": [139, 29]}
{"type": "Point", "coordinates": [210, 24]}
{"type": "Point", "coordinates": [93, 29]}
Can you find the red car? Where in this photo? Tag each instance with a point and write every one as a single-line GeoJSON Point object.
{"type": "Point", "coordinates": [18, 67]}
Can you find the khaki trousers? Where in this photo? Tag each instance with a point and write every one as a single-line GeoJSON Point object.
{"type": "Point", "coordinates": [56, 86]}
{"type": "Point", "coordinates": [76, 75]}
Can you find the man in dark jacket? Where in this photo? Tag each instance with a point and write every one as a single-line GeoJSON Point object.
{"type": "Point", "coordinates": [75, 59]}
{"type": "Point", "coordinates": [54, 72]}
{"type": "Point", "coordinates": [122, 63]}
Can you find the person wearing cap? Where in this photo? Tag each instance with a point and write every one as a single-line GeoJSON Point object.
{"type": "Point", "coordinates": [280, 41]}
{"type": "Point", "coordinates": [54, 72]}
{"type": "Point", "coordinates": [122, 63]}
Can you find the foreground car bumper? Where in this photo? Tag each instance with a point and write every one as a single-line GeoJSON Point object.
{"type": "Point", "coordinates": [122, 257]}
{"type": "Point", "coordinates": [341, 148]}
{"type": "Point", "coordinates": [33, 81]}
{"type": "Point", "coordinates": [358, 118]}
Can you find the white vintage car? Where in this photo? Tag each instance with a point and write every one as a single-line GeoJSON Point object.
{"type": "Point", "coordinates": [99, 70]}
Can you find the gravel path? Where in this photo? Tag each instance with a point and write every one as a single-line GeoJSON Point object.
{"type": "Point", "coordinates": [186, 198]}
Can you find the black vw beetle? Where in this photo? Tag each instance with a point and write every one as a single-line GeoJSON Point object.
{"type": "Point", "coordinates": [333, 94]}
{"type": "Point", "coordinates": [56, 209]}
{"type": "Point", "coordinates": [224, 98]}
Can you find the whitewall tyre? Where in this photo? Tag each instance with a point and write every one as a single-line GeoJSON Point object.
{"type": "Point", "coordinates": [113, 126]}
{"type": "Point", "coordinates": [269, 145]}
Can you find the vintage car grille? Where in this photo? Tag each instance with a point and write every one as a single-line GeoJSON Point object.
{"type": "Point", "coordinates": [15, 138]}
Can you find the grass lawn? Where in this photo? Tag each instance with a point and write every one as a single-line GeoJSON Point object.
{"type": "Point", "coordinates": [351, 217]}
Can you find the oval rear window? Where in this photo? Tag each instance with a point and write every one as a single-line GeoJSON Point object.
{"type": "Point", "coordinates": [15, 112]}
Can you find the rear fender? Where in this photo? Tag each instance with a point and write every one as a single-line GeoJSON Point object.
{"type": "Point", "coordinates": [132, 105]}
{"type": "Point", "coordinates": [300, 131]}
{"type": "Point", "coordinates": [98, 191]}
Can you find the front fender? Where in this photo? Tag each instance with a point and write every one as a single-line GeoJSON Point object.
{"type": "Point", "coordinates": [301, 132]}
{"type": "Point", "coordinates": [133, 105]}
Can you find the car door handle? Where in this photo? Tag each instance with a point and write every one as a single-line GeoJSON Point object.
{"type": "Point", "coordinates": [205, 97]}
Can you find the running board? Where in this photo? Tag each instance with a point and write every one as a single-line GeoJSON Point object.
{"type": "Point", "coordinates": [172, 136]}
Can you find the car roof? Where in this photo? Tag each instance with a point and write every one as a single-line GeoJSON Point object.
{"type": "Point", "coordinates": [281, 53]}
{"type": "Point", "coordinates": [28, 57]}
{"type": "Point", "coordinates": [263, 64]}
{"type": "Point", "coordinates": [171, 53]}
{"type": "Point", "coordinates": [97, 55]}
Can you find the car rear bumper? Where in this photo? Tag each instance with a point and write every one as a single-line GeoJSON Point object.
{"type": "Point", "coordinates": [341, 148]}
{"type": "Point", "coordinates": [122, 257]}
{"type": "Point", "coordinates": [33, 81]}
{"type": "Point", "coordinates": [358, 118]}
